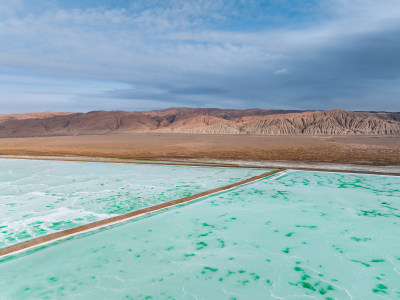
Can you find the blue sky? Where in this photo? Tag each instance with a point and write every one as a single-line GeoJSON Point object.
{"type": "Point", "coordinates": [70, 55]}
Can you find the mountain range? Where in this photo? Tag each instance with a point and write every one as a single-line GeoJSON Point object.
{"type": "Point", "coordinates": [202, 121]}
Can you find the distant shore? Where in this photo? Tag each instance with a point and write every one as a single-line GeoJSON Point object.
{"type": "Point", "coordinates": [303, 151]}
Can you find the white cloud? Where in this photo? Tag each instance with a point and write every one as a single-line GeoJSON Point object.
{"type": "Point", "coordinates": [281, 71]}
{"type": "Point", "coordinates": [176, 45]}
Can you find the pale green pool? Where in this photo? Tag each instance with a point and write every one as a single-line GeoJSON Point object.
{"type": "Point", "coordinates": [41, 197]}
{"type": "Point", "coordinates": [303, 235]}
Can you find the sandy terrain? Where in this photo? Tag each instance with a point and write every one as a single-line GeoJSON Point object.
{"type": "Point", "coordinates": [370, 150]}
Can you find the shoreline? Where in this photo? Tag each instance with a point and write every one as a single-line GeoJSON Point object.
{"type": "Point", "coordinates": [229, 163]}
{"type": "Point", "coordinates": [374, 154]}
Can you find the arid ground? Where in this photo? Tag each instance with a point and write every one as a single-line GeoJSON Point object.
{"type": "Point", "coordinates": [371, 150]}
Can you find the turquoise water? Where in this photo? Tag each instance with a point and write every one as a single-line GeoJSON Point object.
{"type": "Point", "coordinates": [303, 235]}
{"type": "Point", "coordinates": [41, 197]}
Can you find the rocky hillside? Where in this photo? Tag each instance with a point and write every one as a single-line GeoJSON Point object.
{"type": "Point", "coordinates": [205, 121]}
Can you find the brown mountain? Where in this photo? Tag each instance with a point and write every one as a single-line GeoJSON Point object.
{"type": "Point", "coordinates": [201, 120]}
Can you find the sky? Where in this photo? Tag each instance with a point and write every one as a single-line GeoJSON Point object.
{"type": "Point", "coordinates": [83, 55]}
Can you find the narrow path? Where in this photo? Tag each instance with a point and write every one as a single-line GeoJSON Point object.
{"type": "Point", "coordinates": [46, 239]}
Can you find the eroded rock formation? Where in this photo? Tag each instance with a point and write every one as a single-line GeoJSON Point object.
{"type": "Point", "coordinates": [202, 121]}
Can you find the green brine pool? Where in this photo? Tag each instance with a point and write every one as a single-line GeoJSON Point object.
{"type": "Point", "coordinates": [40, 197]}
{"type": "Point", "coordinates": [298, 235]}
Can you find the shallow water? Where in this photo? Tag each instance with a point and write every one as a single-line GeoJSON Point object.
{"type": "Point", "coordinates": [302, 235]}
{"type": "Point", "coordinates": [40, 197]}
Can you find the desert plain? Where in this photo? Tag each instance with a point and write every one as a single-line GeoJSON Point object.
{"type": "Point", "coordinates": [382, 150]}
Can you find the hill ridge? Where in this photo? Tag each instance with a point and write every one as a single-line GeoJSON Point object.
{"type": "Point", "coordinates": [202, 121]}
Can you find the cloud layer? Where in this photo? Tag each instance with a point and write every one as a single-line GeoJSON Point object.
{"type": "Point", "coordinates": [235, 54]}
